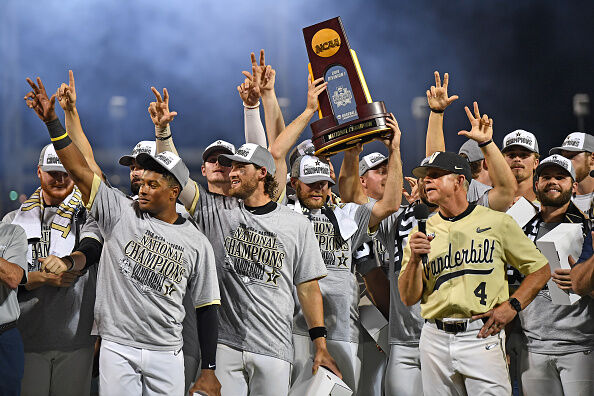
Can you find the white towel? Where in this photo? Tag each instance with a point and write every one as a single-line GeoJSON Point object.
{"type": "Point", "coordinates": [62, 239]}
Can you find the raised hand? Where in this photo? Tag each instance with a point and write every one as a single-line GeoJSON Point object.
{"type": "Point", "coordinates": [393, 142]}
{"type": "Point", "coordinates": [482, 127]}
{"type": "Point", "coordinates": [414, 190]}
{"type": "Point", "coordinates": [38, 100]}
{"type": "Point", "coordinates": [437, 95]}
{"type": "Point", "coordinates": [66, 94]}
{"type": "Point", "coordinates": [159, 110]}
{"type": "Point", "coordinates": [267, 74]}
{"type": "Point", "coordinates": [249, 92]}
{"type": "Point", "coordinates": [314, 89]}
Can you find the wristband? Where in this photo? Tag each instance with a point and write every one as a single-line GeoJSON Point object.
{"type": "Point", "coordinates": [483, 144]}
{"type": "Point", "coordinates": [251, 107]}
{"type": "Point", "coordinates": [58, 134]}
{"type": "Point", "coordinates": [69, 258]}
{"type": "Point", "coordinates": [515, 304]}
{"type": "Point", "coordinates": [163, 137]}
{"type": "Point", "coordinates": [436, 111]}
{"type": "Point", "coordinates": [317, 332]}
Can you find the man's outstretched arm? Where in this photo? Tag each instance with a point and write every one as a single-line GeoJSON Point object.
{"type": "Point", "coordinates": [69, 154]}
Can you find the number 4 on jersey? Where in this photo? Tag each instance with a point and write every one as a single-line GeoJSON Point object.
{"type": "Point", "coordinates": [481, 293]}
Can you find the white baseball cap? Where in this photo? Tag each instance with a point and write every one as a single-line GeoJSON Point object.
{"type": "Point", "coordinates": [370, 161]}
{"type": "Point", "coordinates": [310, 169]}
{"type": "Point", "coordinates": [521, 138]}
{"type": "Point", "coordinates": [577, 141]}
{"type": "Point", "coordinates": [145, 146]}
{"type": "Point", "coordinates": [250, 153]}
{"type": "Point", "coordinates": [219, 145]}
{"type": "Point", "coordinates": [556, 160]}
{"type": "Point", "coordinates": [171, 162]}
{"type": "Point", "coordinates": [49, 160]}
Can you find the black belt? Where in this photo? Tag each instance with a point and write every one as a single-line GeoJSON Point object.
{"type": "Point", "coordinates": [7, 326]}
{"type": "Point", "coordinates": [457, 327]}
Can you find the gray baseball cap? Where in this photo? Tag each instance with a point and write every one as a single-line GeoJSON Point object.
{"type": "Point", "coordinates": [171, 162]}
{"type": "Point", "coordinates": [370, 161]}
{"type": "Point", "coordinates": [219, 145]}
{"type": "Point", "coordinates": [250, 153]}
{"type": "Point", "coordinates": [556, 160]}
{"type": "Point", "coordinates": [49, 160]}
{"type": "Point", "coordinates": [145, 146]}
{"type": "Point", "coordinates": [472, 151]}
{"type": "Point", "coordinates": [310, 169]}
{"type": "Point", "coordinates": [576, 141]}
{"type": "Point", "coordinates": [521, 138]}
{"type": "Point", "coordinates": [306, 147]}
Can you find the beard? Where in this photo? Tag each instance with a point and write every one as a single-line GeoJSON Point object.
{"type": "Point", "coordinates": [245, 190]}
{"type": "Point", "coordinates": [561, 200]}
{"type": "Point", "coordinates": [135, 185]}
{"type": "Point", "coordinates": [56, 194]}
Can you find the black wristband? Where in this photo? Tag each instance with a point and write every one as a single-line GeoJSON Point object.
{"type": "Point", "coordinates": [163, 137]}
{"type": "Point", "coordinates": [58, 134]}
{"type": "Point", "coordinates": [317, 332]}
{"type": "Point", "coordinates": [436, 111]}
{"type": "Point", "coordinates": [515, 304]}
{"type": "Point", "coordinates": [69, 258]}
{"type": "Point", "coordinates": [483, 144]}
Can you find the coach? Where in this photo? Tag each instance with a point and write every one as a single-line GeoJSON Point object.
{"type": "Point", "coordinates": [462, 279]}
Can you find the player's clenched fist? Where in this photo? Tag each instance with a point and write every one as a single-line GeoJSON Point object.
{"type": "Point", "coordinates": [207, 383]}
{"type": "Point", "coordinates": [55, 265]}
{"type": "Point", "coordinates": [419, 244]}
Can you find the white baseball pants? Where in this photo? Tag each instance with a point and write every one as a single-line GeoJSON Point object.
{"type": "Point", "coordinates": [403, 376]}
{"type": "Point", "coordinates": [125, 371]}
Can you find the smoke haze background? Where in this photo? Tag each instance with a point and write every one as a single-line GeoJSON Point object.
{"type": "Point", "coordinates": [522, 62]}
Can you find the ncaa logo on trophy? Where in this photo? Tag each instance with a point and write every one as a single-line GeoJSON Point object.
{"type": "Point", "coordinates": [348, 116]}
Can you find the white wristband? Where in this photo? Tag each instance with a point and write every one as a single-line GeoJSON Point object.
{"type": "Point", "coordinates": [251, 107]}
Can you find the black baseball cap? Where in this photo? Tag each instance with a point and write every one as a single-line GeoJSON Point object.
{"type": "Point", "coordinates": [444, 160]}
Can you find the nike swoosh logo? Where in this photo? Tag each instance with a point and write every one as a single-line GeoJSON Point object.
{"type": "Point", "coordinates": [211, 365]}
{"type": "Point", "coordinates": [457, 167]}
{"type": "Point", "coordinates": [479, 229]}
{"type": "Point", "coordinates": [491, 346]}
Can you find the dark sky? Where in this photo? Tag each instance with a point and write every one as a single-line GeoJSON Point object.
{"type": "Point", "coordinates": [522, 61]}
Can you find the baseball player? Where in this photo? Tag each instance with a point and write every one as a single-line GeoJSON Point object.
{"type": "Point", "coordinates": [557, 358]}
{"type": "Point", "coordinates": [520, 149]}
{"type": "Point", "coordinates": [578, 147]}
{"type": "Point", "coordinates": [339, 230]}
{"type": "Point", "coordinates": [462, 280]}
{"type": "Point", "coordinates": [58, 343]}
{"type": "Point", "coordinates": [13, 271]}
{"type": "Point", "coordinates": [153, 256]}
{"type": "Point", "coordinates": [262, 251]}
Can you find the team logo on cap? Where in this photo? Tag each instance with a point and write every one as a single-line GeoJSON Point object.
{"type": "Point", "coordinates": [376, 158]}
{"type": "Point", "coordinates": [315, 167]}
{"type": "Point", "coordinates": [52, 160]}
{"type": "Point", "coordinates": [574, 140]}
{"type": "Point", "coordinates": [141, 148]}
{"type": "Point", "coordinates": [246, 151]}
{"type": "Point", "coordinates": [431, 159]}
{"type": "Point", "coordinates": [520, 139]}
{"type": "Point", "coordinates": [167, 158]}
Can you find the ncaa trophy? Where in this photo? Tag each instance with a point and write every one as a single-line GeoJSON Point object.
{"type": "Point", "coordinates": [348, 116]}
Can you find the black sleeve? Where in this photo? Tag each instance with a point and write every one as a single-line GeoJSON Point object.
{"type": "Point", "coordinates": [207, 319]}
{"type": "Point", "coordinates": [91, 248]}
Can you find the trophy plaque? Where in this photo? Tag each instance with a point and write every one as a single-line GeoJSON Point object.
{"type": "Point", "coordinates": [347, 114]}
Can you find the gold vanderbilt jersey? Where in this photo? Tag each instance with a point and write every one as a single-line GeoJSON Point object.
{"type": "Point", "coordinates": [465, 272]}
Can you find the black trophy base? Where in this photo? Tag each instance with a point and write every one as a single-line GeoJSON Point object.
{"type": "Point", "coordinates": [330, 138]}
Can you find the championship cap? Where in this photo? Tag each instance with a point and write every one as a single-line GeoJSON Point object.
{"type": "Point", "coordinates": [310, 169]}
{"type": "Point", "coordinates": [521, 138]}
{"type": "Point", "coordinates": [171, 162]}
{"type": "Point", "coordinates": [306, 147]}
{"type": "Point", "coordinates": [219, 145]}
{"type": "Point", "coordinates": [556, 160]}
{"type": "Point", "coordinates": [370, 161]}
{"type": "Point", "coordinates": [250, 153]}
{"type": "Point", "coordinates": [444, 160]}
{"type": "Point", "coordinates": [472, 151]}
{"type": "Point", "coordinates": [49, 160]}
{"type": "Point", "coordinates": [145, 146]}
{"type": "Point", "coordinates": [577, 141]}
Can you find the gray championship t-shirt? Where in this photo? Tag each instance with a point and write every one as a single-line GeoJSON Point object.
{"type": "Point", "coordinates": [146, 268]}
{"type": "Point", "coordinates": [13, 248]}
{"type": "Point", "coordinates": [557, 329]}
{"type": "Point", "coordinates": [478, 193]}
{"type": "Point", "coordinates": [260, 258]}
{"type": "Point", "coordinates": [340, 289]}
{"type": "Point", "coordinates": [58, 318]}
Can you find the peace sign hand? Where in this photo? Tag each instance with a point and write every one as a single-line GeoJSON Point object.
{"type": "Point", "coordinates": [38, 100]}
{"type": "Point", "coordinates": [482, 127]}
{"type": "Point", "coordinates": [159, 110]}
{"type": "Point", "coordinates": [437, 95]}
